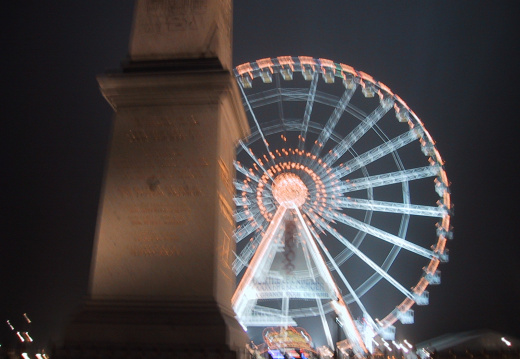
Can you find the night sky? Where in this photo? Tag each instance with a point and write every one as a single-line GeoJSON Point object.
{"type": "Point", "coordinates": [454, 63]}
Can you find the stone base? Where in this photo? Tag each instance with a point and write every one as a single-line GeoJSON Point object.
{"type": "Point", "coordinates": [144, 329]}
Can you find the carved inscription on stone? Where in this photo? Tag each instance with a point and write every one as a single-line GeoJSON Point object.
{"type": "Point", "coordinates": [173, 15]}
{"type": "Point", "coordinates": [160, 161]}
{"type": "Point", "coordinates": [164, 129]}
{"type": "Point", "coordinates": [155, 251]}
{"type": "Point", "coordinates": [158, 121]}
{"type": "Point", "coordinates": [166, 190]}
{"type": "Point", "coordinates": [157, 135]}
{"type": "Point", "coordinates": [156, 244]}
{"type": "Point", "coordinates": [161, 174]}
{"type": "Point", "coordinates": [150, 220]}
{"type": "Point", "coordinates": [148, 237]}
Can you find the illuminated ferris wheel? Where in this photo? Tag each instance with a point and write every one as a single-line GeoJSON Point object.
{"type": "Point", "coordinates": [342, 201]}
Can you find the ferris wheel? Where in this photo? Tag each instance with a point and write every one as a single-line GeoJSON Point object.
{"type": "Point", "coordinates": [342, 200]}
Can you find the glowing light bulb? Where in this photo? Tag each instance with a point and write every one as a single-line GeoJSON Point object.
{"type": "Point", "coordinates": [507, 342]}
{"type": "Point", "coordinates": [289, 190]}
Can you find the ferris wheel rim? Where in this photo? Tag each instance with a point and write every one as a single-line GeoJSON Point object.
{"type": "Point", "coordinates": [253, 70]}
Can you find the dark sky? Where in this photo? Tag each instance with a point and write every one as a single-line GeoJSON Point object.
{"type": "Point", "coordinates": [454, 63]}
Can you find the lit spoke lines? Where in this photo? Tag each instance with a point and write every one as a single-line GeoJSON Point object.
{"type": "Point", "coordinates": [361, 256]}
{"type": "Point", "coordinates": [342, 276]}
{"type": "Point", "coordinates": [376, 232]}
{"type": "Point", "coordinates": [242, 201]}
{"type": "Point", "coordinates": [263, 98]}
{"type": "Point", "coordinates": [355, 135]}
{"type": "Point", "coordinates": [272, 96]}
{"type": "Point", "coordinates": [238, 300]}
{"type": "Point", "coordinates": [341, 310]}
{"type": "Point", "coordinates": [294, 95]}
{"type": "Point", "coordinates": [376, 153]}
{"type": "Point", "coordinates": [333, 121]}
{"type": "Point", "coordinates": [245, 172]}
{"type": "Point", "coordinates": [324, 323]}
{"type": "Point", "coordinates": [242, 187]}
{"type": "Point", "coordinates": [246, 214]}
{"type": "Point", "coordinates": [390, 207]}
{"type": "Point", "coordinates": [308, 110]}
{"type": "Point", "coordinates": [253, 157]}
{"type": "Point", "coordinates": [254, 118]}
{"type": "Point", "coordinates": [388, 178]}
{"type": "Point", "coordinates": [280, 101]}
{"type": "Point", "coordinates": [315, 254]}
{"type": "Point", "coordinates": [246, 254]}
{"type": "Point", "coordinates": [247, 198]}
{"type": "Point", "coordinates": [246, 229]}
{"type": "Point", "coordinates": [308, 261]}
{"type": "Point", "coordinates": [241, 261]}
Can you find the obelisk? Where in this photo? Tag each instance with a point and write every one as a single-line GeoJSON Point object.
{"type": "Point", "coordinates": [161, 278]}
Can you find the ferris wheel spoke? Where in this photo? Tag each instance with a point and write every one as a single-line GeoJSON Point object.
{"type": "Point", "coordinates": [242, 260]}
{"type": "Point", "coordinates": [389, 260]}
{"type": "Point", "coordinates": [326, 227]}
{"type": "Point", "coordinates": [338, 303]}
{"type": "Point", "coordinates": [321, 267]}
{"type": "Point", "coordinates": [242, 201]}
{"type": "Point", "coordinates": [240, 263]}
{"type": "Point", "coordinates": [253, 157]}
{"type": "Point", "coordinates": [254, 117]}
{"type": "Point", "coordinates": [247, 228]}
{"type": "Point", "coordinates": [333, 121]}
{"type": "Point", "coordinates": [358, 132]}
{"type": "Point", "coordinates": [241, 215]}
{"type": "Point", "coordinates": [271, 96]}
{"type": "Point", "coordinates": [260, 255]}
{"type": "Point", "coordinates": [376, 153]}
{"type": "Point", "coordinates": [280, 100]}
{"type": "Point", "coordinates": [390, 207]}
{"type": "Point", "coordinates": [308, 110]}
{"type": "Point", "coordinates": [262, 98]}
{"type": "Point", "coordinates": [344, 279]}
{"type": "Point", "coordinates": [345, 254]}
{"type": "Point", "coordinates": [245, 199]}
{"type": "Point", "coordinates": [389, 178]}
{"type": "Point", "coordinates": [385, 236]}
{"type": "Point", "coordinates": [245, 172]}
{"type": "Point", "coordinates": [242, 187]}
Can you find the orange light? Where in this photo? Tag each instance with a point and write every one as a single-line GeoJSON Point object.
{"type": "Point", "coordinates": [385, 88]}
{"type": "Point", "coordinates": [366, 77]}
{"type": "Point", "coordinates": [307, 60]}
{"type": "Point", "coordinates": [263, 63]}
{"type": "Point", "coordinates": [242, 69]}
{"type": "Point", "coordinates": [347, 68]}
{"type": "Point", "coordinates": [286, 60]}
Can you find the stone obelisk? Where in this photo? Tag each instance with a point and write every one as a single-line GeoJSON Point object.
{"type": "Point", "coordinates": [161, 279]}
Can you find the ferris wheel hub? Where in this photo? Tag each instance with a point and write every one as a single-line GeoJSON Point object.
{"type": "Point", "coordinates": [289, 190]}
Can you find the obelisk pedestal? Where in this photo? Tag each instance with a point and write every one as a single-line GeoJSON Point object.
{"type": "Point", "coordinates": [161, 278]}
